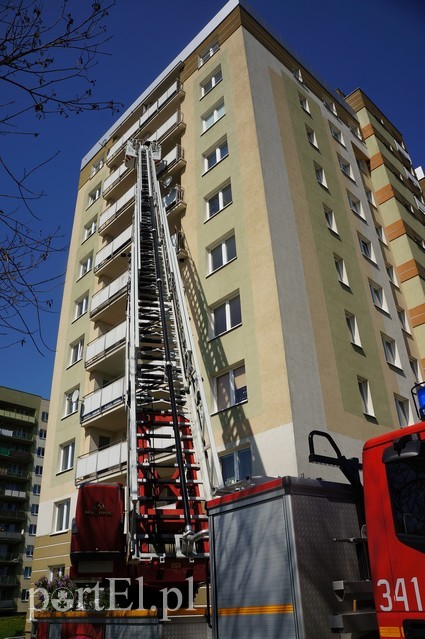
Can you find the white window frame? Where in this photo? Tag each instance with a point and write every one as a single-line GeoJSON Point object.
{"type": "Point", "coordinates": [61, 515]}
{"type": "Point", "coordinates": [27, 572]}
{"type": "Point", "coordinates": [94, 195]}
{"type": "Point", "coordinates": [226, 306]}
{"type": "Point", "coordinates": [208, 53]}
{"type": "Point", "coordinates": [35, 509]}
{"type": "Point", "coordinates": [346, 167]}
{"type": "Point", "coordinates": [71, 407]}
{"type": "Point", "coordinates": [392, 356]}
{"type": "Point", "coordinates": [66, 456]}
{"type": "Point", "coordinates": [215, 114]}
{"type": "Point", "coordinates": [231, 387]}
{"type": "Point", "coordinates": [330, 220]}
{"type": "Point", "coordinates": [86, 265]}
{"type": "Point", "coordinates": [211, 81]}
{"type": "Point", "coordinates": [365, 396]}
{"type": "Point", "coordinates": [40, 451]}
{"type": "Point", "coordinates": [25, 595]}
{"type": "Point", "coordinates": [341, 270]}
{"type": "Point", "coordinates": [366, 248]}
{"type": "Point", "coordinates": [38, 471]}
{"type": "Point", "coordinates": [95, 168]}
{"type": "Point", "coordinates": [403, 410]}
{"type": "Point", "coordinates": [414, 365]}
{"type": "Point", "coordinates": [355, 205]}
{"type": "Point", "coordinates": [32, 530]}
{"type": "Point", "coordinates": [90, 229]}
{"type": "Point", "coordinates": [81, 306]}
{"type": "Point", "coordinates": [304, 103]}
{"type": "Point", "coordinates": [235, 459]}
{"type": "Point", "coordinates": [76, 351]}
{"type": "Point", "coordinates": [36, 489]}
{"type": "Point", "coordinates": [29, 550]}
{"type": "Point", "coordinates": [42, 433]}
{"type": "Point", "coordinates": [311, 137]}
{"type": "Point", "coordinates": [337, 134]}
{"type": "Point", "coordinates": [370, 197]}
{"type": "Point", "coordinates": [353, 329]}
{"type": "Point", "coordinates": [378, 296]}
{"type": "Point", "coordinates": [218, 154]}
{"type": "Point", "coordinates": [320, 175]}
{"type": "Point", "coordinates": [219, 196]}
{"type": "Point", "coordinates": [223, 249]}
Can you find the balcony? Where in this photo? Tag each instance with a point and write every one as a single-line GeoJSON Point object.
{"type": "Point", "coordinates": [102, 401]}
{"type": "Point", "coordinates": [20, 435]}
{"type": "Point", "coordinates": [109, 303]}
{"type": "Point", "coordinates": [173, 125]}
{"type": "Point", "coordinates": [15, 455]}
{"type": "Point", "coordinates": [10, 473]}
{"type": "Point", "coordinates": [420, 205]}
{"type": "Point", "coordinates": [114, 219]}
{"type": "Point", "coordinates": [7, 536]}
{"type": "Point", "coordinates": [102, 463]}
{"type": "Point", "coordinates": [109, 347]}
{"type": "Point", "coordinates": [103, 261]}
{"type": "Point", "coordinates": [13, 493]}
{"type": "Point", "coordinates": [402, 151]}
{"type": "Point", "coordinates": [7, 604]}
{"type": "Point", "coordinates": [12, 515]}
{"type": "Point", "coordinates": [156, 107]}
{"type": "Point", "coordinates": [8, 580]}
{"type": "Point", "coordinates": [30, 419]}
{"type": "Point", "coordinates": [10, 558]}
{"type": "Point", "coordinates": [173, 201]}
{"type": "Point", "coordinates": [118, 178]}
{"type": "Point", "coordinates": [172, 162]}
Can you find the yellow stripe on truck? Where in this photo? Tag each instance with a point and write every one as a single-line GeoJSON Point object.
{"type": "Point", "coordinates": [389, 631]}
{"type": "Point", "coordinates": [257, 610]}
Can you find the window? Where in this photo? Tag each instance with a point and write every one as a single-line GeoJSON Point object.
{"type": "Point", "coordinates": [345, 167]}
{"type": "Point", "coordinates": [218, 201]}
{"type": "Point", "coordinates": [231, 388]}
{"type": "Point", "coordinates": [36, 489]}
{"type": "Point", "coordinates": [222, 253]}
{"type": "Point", "coordinates": [76, 352]}
{"type": "Point", "coordinates": [208, 53]}
{"type": "Point", "coordinates": [94, 195]}
{"type": "Point", "coordinates": [214, 157]}
{"type": "Point", "coordinates": [391, 352]}
{"type": "Point", "coordinates": [320, 176]}
{"type": "Point", "coordinates": [27, 572]}
{"type": "Point", "coordinates": [370, 197]}
{"type": "Point", "coordinates": [40, 451]}
{"type": "Point", "coordinates": [391, 274]}
{"type": "Point", "coordinates": [336, 134]}
{"type": "Point", "coordinates": [365, 396]}
{"type": "Point", "coordinates": [304, 103]}
{"type": "Point", "coordinates": [90, 229]}
{"type": "Point", "coordinates": [44, 416]}
{"type": "Point", "coordinates": [29, 551]}
{"type": "Point", "coordinates": [226, 316]}
{"type": "Point", "coordinates": [380, 233]}
{"type": "Point", "coordinates": [353, 329]}
{"type": "Point", "coordinates": [366, 249]}
{"type": "Point", "coordinates": [86, 265]}
{"type": "Point", "coordinates": [213, 116]}
{"type": "Point", "coordinates": [364, 166]}
{"type": "Point", "coordinates": [236, 466]}
{"type": "Point", "coordinates": [97, 166]}
{"type": "Point", "coordinates": [34, 509]}
{"type": "Point", "coordinates": [56, 571]}
{"type": "Point", "coordinates": [311, 137]}
{"type": "Point", "coordinates": [71, 403]}
{"type": "Point", "coordinates": [81, 306]}
{"type": "Point", "coordinates": [61, 515]}
{"type": "Point", "coordinates": [32, 530]}
{"type": "Point", "coordinates": [330, 220]}
{"type": "Point", "coordinates": [415, 369]}
{"type": "Point", "coordinates": [42, 433]}
{"type": "Point", "coordinates": [66, 456]}
{"type": "Point", "coordinates": [378, 296]}
{"type": "Point", "coordinates": [38, 471]}
{"type": "Point", "coordinates": [341, 271]}
{"type": "Point", "coordinates": [355, 205]}
{"type": "Point", "coordinates": [403, 411]}
{"type": "Point", "coordinates": [25, 594]}
{"type": "Point", "coordinates": [402, 317]}
{"type": "Point", "coordinates": [208, 84]}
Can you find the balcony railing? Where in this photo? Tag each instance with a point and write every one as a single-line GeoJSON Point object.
{"type": "Point", "coordinates": [110, 250]}
{"type": "Point", "coordinates": [114, 177]}
{"type": "Point", "coordinates": [420, 205]}
{"type": "Point", "coordinates": [100, 347]}
{"type": "Point", "coordinates": [116, 208]}
{"type": "Point", "coordinates": [403, 152]}
{"type": "Point", "coordinates": [171, 159]}
{"type": "Point", "coordinates": [15, 454]}
{"type": "Point", "coordinates": [108, 293]}
{"type": "Point", "coordinates": [18, 416]}
{"type": "Point", "coordinates": [7, 604]}
{"type": "Point", "coordinates": [15, 474]}
{"type": "Point", "coordinates": [149, 113]}
{"type": "Point", "coordinates": [10, 492]}
{"type": "Point", "coordinates": [11, 557]}
{"type": "Point", "coordinates": [173, 198]}
{"type": "Point", "coordinates": [102, 462]}
{"type": "Point", "coordinates": [103, 399]}
{"type": "Point", "coordinates": [17, 434]}
{"type": "Point", "coordinates": [412, 178]}
{"type": "Point", "coordinates": [8, 580]}
{"type": "Point", "coordinates": [12, 515]}
{"type": "Point", "coordinates": [172, 123]}
{"type": "Point", "coordinates": [10, 536]}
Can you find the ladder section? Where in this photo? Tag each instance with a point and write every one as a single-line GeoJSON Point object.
{"type": "Point", "coordinates": [170, 457]}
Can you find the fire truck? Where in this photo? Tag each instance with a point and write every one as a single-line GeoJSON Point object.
{"type": "Point", "coordinates": [180, 555]}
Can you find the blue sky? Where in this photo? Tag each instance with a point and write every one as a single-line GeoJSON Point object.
{"type": "Point", "coordinates": [377, 45]}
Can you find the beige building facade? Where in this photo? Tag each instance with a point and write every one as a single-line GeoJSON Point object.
{"type": "Point", "coordinates": [295, 280]}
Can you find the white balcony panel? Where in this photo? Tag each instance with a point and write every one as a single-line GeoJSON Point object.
{"type": "Point", "coordinates": [102, 399]}
{"type": "Point", "coordinates": [412, 178]}
{"type": "Point", "coordinates": [168, 125]}
{"type": "Point", "coordinates": [18, 494]}
{"type": "Point", "coordinates": [108, 292]}
{"type": "Point", "coordinates": [115, 208]}
{"type": "Point", "coordinates": [173, 197]}
{"type": "Point", "coordinates": [112, 248]}
{"type": "Point", "coordinates": [122, 140]}
{"type": "Point", "coordinates": [101, 462]}
{"type": "Point", "coordinates": [420, 205]}
{"type": "Point", "coordinates": [100, 346]}
{"type": "Point", "coordinates": [402, 151]}
{"type": "Point", "coordinates": [114, 177]}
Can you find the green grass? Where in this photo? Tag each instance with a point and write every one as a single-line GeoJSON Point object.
{"type": "Point", "coordinates": [12, 626]}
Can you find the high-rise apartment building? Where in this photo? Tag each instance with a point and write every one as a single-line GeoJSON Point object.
{"type": "Point", "coordinates": [298, 221]}
{"type": "Point", "coordinates": [23, 429]}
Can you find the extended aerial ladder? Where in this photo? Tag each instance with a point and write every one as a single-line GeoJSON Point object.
{"type": "Point", "coordinates": [173, 464]}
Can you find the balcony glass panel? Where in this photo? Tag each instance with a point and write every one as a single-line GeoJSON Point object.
{"type": "Point", "coordinates": [103, 399]}
{"type": "Point", "coordinates": [108, 292]}
{"type": "Point", "coordinates": [175, 196]}
{"type": "Point", "coordinates": [99, 347]}
{"type": "Point", "coordinates": [114, 210]}
{"type": "Point", "coordinates": [112, 248]}
{"type": "Point", "coordinates": [114, 177]}
{"type": "Point", "coordinates": [101, 462]}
